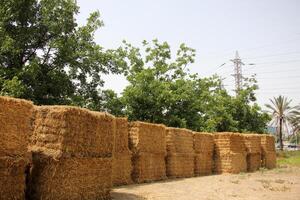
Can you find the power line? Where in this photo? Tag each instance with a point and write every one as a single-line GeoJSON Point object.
{"type": "Point", "coordinates": [271, 72]}
{"type": "Point", "coordinates": [272, 55]}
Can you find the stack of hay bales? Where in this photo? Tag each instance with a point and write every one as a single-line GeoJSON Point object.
{"type": "Point", "coordinates": [148, 144]}
{"type": "Point", "coordinates": [253, 149]}
{"type": "Point", "coordinates": [16, 119]}
{"type": "Point", "coordinates": [204, 148]}
{"type": "Point", "coordinates": [180, 153]}
{"type": "Point", "coordinates": [268, 151]}
{"type": "Point", "coordinates": [72, 154]}
{"type": "Point", "coordinates": [230, 153]}
{"type": "Point", "coordinates": [122, 156]}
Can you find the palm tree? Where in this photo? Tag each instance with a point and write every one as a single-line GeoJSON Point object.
{"type": "Point", "coordinates": [282, 113]}
{"type": "Point", "coordinates": [295, 121]}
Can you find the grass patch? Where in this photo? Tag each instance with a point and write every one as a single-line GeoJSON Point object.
{"type": "Point", "coordinates": [288, 158]}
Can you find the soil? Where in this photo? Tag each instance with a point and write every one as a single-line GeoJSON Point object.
{"type": "Point", "coordinates": [276, 184]}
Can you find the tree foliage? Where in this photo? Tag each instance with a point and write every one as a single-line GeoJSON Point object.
{"type": "Point", "coordinates": [162, 90]}
{"type": "Point", "coordinates": [45, 56]}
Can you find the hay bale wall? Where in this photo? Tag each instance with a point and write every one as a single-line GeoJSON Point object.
{"type": "Point", "coordinates": [180, 165]}
{"type": "Point", "coordinates": [148, 144]}
{"type": "Point", "coordinates": [72, 150]}
{"type": "Point", "coordinates": [65, 131]}
{"type": "Point", "coordinates": [70, 178]}
{"type": "Point", "coordinates": [204, 147]}
{"type": "Point", "coordinates": [148, 167]}
{"type": "Point", "coordinates": [268, 151]}
{"type": "Point", "coordinates": [253, 149]}
{"type": "Point", "coordinates": [230, 153]}
{"type": "Point", "coordinates": [16, 124]}
{"type": "Point", "coordinates": [180, 153]}
{"type": "Point", "coordinates": [122, 167]}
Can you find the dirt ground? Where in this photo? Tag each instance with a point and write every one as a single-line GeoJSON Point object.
{"type": "Point", "coordinates": [276, 184]}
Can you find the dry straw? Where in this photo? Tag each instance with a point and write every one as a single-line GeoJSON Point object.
{"type": "Point", "coordinates": [64, 131]}
{"type": "Point", "coordinates": [180, 157]}
{"type": "Point", "coordinates": [204, 147]}
{"type": "Point", "coordinates": [180, 141]}
{"type": "Point", "coordinates": [230, 153]}
{"type": "Point", "coordinates": [253, 148]}
{"type": "Point", "coordinates": [70, 178]}
{"type": "Point", "coordinates": [180, 165]}
{"type": "Point", "coordinates": [268, 151]}
{"type": "Point", "coordinates": [122, 167]}
{"type": "Point", "coordinates": [148, 144]}
{"type": "Point", "coordinates": [72, 150]}
{"type": "Point", "coordinates": [147, 137]}
{"type": "Point", "coordinates": [148, 167]}
{"type": "Point", "coordinates": [16, 118]}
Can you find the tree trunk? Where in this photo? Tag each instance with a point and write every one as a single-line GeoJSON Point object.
{"type": "Point", "coordinates": [280, 134]}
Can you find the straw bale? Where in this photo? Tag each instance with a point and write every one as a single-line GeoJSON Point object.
{"type": "Point", "coordinates": [203, 163]}
{"type": "Point", "coordinates": [70, 178]}
{"type": "Point", "coordinates": [253, 143]}
{"type": "Point", "coordinates": [16, 119]}
{"type": "Point", "coordinates": [180, 165]}
{"type": "Point", "coordinates": [64, 131]}
{"type": "Point", "coordinates": [269, 159]}
{"type": "Point", "coordinates": [268, 142]}
{"type": "Point", "coordinates": [229, 143]}
{"type": "Point", "coordinates": [148, 167]}
{"type": "Point", "coordinates": [122, 168]}
{"type": "Point", "coordinates": [12, 178]}
{"type": "Point", "coordinates": [121, 137]}
{"type": "Point", "coordinates": [203, 142]}
{"type": "Point", "coordinates": [147, 138]}
{"type": "Point", "coordinates": [253, 161]}
{"type": "Point", "coordinates": [179, 140]}
{"type": "Point", "coordinates": [230, 163]}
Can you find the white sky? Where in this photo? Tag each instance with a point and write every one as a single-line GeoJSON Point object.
{"type": "Point", "coordinates": [265, 32]}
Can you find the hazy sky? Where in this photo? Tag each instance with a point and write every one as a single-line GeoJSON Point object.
{"type": "Point", "coordinates": [265, 32]}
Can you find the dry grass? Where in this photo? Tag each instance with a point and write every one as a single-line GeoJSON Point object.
{"type": "Point", "coordinates": [16, 119]}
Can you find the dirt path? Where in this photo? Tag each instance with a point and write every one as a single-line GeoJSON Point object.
{"type": "Point", "coordinates": [277, 184]}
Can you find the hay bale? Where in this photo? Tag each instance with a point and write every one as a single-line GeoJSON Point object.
{"type": "Point", "coordinates": [253, 149]}
{"type": "Point", "coordinates": [230, 163]}
{"type": "Point", "coordinates": [121, 137]}
{"type": "Point", "coordinates": [203, 142]}
{"type": "Point", "coordinates": [16, 119]}
{"type": "Point", "coordinates": [147, 138]}
{"type": "Point", "coordinates": [180, 153]}
{"type": "Point", "coordinates": [253, 161]}
{"type": "Point", "coordinates": [203, 164]}
{"type": "Point", "coordinates": [230, 153]}
{"type": "Point", "coordinates": [72, 149]}
{"type": "Point", "coordinates": [179, 140]}
{"type": "Point", "coordinates": [270, 160]}
{"type": "Point", "coordinates": [148, 167]}
{"type": "Point", "coordinates": [267, 142]}
{"type": "Point", "coordinates": [203, 147]}
{"type": "Point", "coordinates": [252, 143]}
{"type": "Point", "coordinates": [268, 151]}
{"type": "Point", "coordinates": [12, 178]}
{"type": "Point", "coordinates": [121, 169]}
{"type": "Point", "coordinates": [180, 165]}
{"type": "Point", "coordinates": [70, 178]}
{"type": "Point", "coordinates": [64, 131]}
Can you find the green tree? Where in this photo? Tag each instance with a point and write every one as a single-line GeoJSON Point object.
{"type": "Point", "coordinates": [282, 113]}
{"type": "Point", "coordinates": [45, 56]}
{"type": "Point", "coordinates": [162, 90]}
